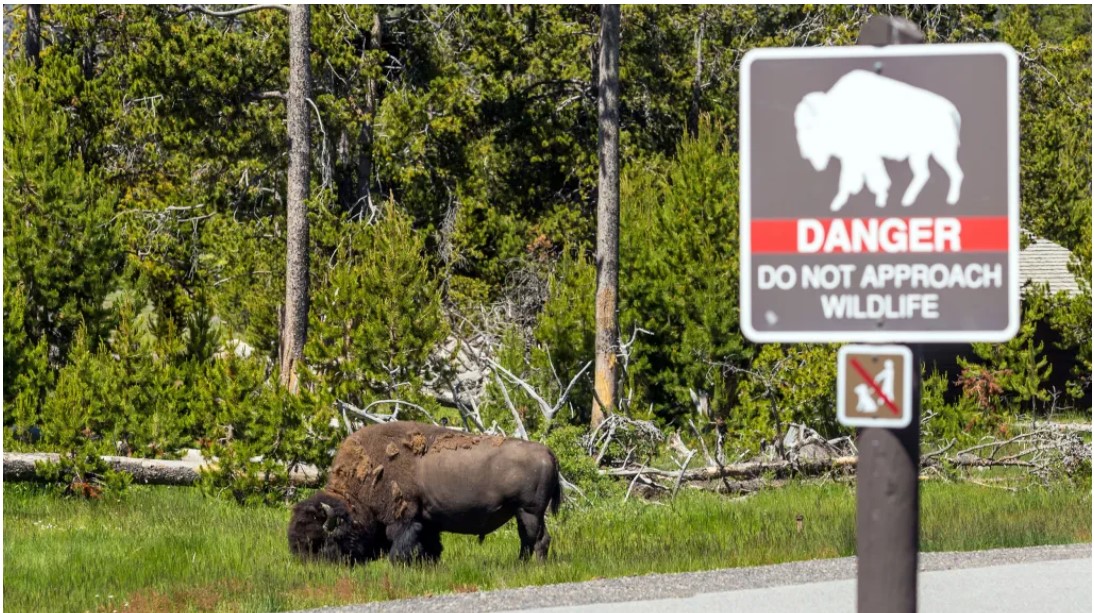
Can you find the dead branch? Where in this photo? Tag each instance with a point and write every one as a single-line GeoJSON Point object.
{"type": "Point", "coordinates": [232, 13]}
{"type": "Point", "coordinates": [548, 410]}
{"type": "Point", "coordinates": [680, 477]}
{"type": "Point", "coordinates": [520, 432]}
{"type": "Point", "coordinates": [380, 418]}
{"type": "Point", "coordinates": [631, 486]}
{"type": "Point", "coordinates": [630, 434]}
{"type": "Point", "coordinates": [941, 450]}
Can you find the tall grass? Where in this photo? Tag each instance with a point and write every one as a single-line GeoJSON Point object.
{"type": "Point", "coordinates": [170, 549]}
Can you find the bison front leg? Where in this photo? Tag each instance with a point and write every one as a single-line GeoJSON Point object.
{"type": "Point", "coordinates": [921, 171]}
{"type": "Point", "coordinates": [532, 529]}
{"type": "Point", "coordinates": [406, 543]}
{"type": "Point", "coordinates": [878, 181]}
{"type": "Point", "coordinates": [431, 549]}
{"type": "Point", "coordinates": [850, 182]}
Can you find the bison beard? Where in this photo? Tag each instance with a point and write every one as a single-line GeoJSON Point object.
{"type": "Point", "coordinates": [395, 487]}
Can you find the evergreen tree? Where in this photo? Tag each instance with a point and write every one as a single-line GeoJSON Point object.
{"type": "Point", "coordinates": [61, 253]}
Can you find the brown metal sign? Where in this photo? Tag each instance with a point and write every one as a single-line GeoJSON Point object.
{"type": "Point", "coordinates": [874, 386]}
{"type": "Point", "coordinates": [879, 194]}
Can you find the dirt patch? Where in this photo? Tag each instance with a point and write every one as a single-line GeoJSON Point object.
{"type": "Point", "coordinates": [464, 588]}
{"type": "Point", "coordinates": [391, 450]}
{"type": "Point", "coordinates": [398, 501]}
{"type": "Point", "coordinates": [391, 592]}
{"type": "Point", "coordinates": [364, 468]}
{"type": "Point", "coordinates": [377, 474]}
{"type": "Point", "coordinates": [343, 590]}
{"type": "Point", "coordinates": [455, 442]}
{"type": "Point", "coordinates": [144, 601]}
{"type": "Point", "coordinates": [350, 466]}
{"type": "Point", "coordinates": [201, 598]}
{"type": "Point", "coordinates": [415, 443]}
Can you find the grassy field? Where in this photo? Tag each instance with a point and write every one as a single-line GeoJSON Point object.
{"type": "Point", "coordinates": [170, 549]}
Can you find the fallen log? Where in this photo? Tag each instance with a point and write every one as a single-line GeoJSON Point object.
{"type": "Point", "coordinates": [784, 468]}
{"type": "Point", "coordinates": [743, 470]}
{"type": "Point", "coordinates": [20, 467]}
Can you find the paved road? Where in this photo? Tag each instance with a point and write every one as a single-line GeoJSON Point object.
{"type": "Point", "coordinates": [1027, 580]}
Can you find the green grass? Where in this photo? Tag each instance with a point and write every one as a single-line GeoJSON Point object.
{"type": "Point", "coordinates": [170, 549]}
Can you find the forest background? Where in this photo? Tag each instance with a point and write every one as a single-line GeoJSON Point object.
{"type": "Point", "coordinates": [452, 212]}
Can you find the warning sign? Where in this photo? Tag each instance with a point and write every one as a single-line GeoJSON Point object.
{"type": "Point", "coordinates": [879, 194]}
{"type": "Point", "coordinates": [874, 386]}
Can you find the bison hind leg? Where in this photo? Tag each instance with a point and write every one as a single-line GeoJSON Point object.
{"type": "Point", "coordinates": [532, 529]}
{"type": "Point", "coordinates": [947, 159]}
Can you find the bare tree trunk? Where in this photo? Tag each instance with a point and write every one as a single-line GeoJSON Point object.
{"type": "Point", "coordinates": [697, 82]}
{"type": "Point", "coordinates": [607, 216]}
{"type": "Point", "coordinates": [372, 95]}
{"type": "Point", "coordinates": [32, 36]}
{"type": "Point", "coordinates": [295, 330]}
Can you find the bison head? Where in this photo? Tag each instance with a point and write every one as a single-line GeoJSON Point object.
{"type": "Point", "coordinates": [813, 138]}
{"type": "Point", "coordinates": [323, 528]}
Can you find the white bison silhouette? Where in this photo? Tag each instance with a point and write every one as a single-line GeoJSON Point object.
{"type": "Point", "coordinates": [865, 118]}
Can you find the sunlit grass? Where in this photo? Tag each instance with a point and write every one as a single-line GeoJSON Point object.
{"type": "Point", "coordinates": [170, 549]}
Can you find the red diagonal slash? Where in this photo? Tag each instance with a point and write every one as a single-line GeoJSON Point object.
{"type": "Point", "coordinates": [870, 381]}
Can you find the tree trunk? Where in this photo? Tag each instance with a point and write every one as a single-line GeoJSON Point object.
{"type": "Point", "coordinates": [607, 216]}
{"type": "Point", "coordinates": [697, 82]}
{"type": "Point", "coordinates": [295, 330]}
{"type": "Point", "coordinates": [32, 37]}
{"type": "Point", "coordinates": [372, 95]}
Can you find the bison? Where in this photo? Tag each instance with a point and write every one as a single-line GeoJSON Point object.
{"type": "Point", "coordinates": [394, 487]}
{"type": "Point", "coordinates": [866, 118]}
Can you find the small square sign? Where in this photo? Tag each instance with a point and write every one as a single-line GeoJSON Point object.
{"type": "Point", "coordinates": [874, 386]}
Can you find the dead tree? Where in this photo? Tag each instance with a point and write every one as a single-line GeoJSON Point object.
{"type": "Point", "coordinates": [295, 331]}
{"type": "Point", "coordinates": [294, 317]}
{"type": "Point", "coordinates": [32, 36]}
{"type": "Point", "coordinates": [607, 217]}
{"type": "Point", "coordinates": [372, 102]}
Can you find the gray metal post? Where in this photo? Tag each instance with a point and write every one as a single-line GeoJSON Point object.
{"type": "Point", "coordinates": [887, 519]}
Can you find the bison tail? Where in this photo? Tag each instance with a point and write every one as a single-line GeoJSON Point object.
{"type": "Point", "coordinates": [956, 124]}
{"type": "Point", "coordinates": [556, 493]}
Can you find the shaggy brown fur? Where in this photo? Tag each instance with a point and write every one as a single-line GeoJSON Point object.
{"type": "Point", "coordinates": [325, 527]}
{"type": "Point", "coordinates": [403, 483]}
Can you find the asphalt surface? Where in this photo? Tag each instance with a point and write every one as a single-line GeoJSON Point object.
{"type": "Point", "coordinates": [1026, 580]}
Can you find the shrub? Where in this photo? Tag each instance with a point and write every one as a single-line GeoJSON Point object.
{"type": "Point", "coordinates": [957, 421]}
{"type": "Point", "coordinates": [679, 275]}
{"type": "Point", "coordinates": [787, 383]}
{"type": "Point", "coordinates": [576, 465]}
{"type": "Point", "coordinates": [267, 434]}
{"type": "Point", "coordinates": [376, 317]}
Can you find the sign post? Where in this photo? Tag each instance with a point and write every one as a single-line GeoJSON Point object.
{"type": "Point", "coordinates": [887, 480]}
{"type": "Point", "coordinates": [879, 204]}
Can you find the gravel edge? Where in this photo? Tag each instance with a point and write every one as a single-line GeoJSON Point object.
{"type": "Point", "coordinates": [683, 585]}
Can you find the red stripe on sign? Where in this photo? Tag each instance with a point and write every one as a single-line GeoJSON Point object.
{"type": "Point", "coordinates": [873, 385]}
{"type": "Point", "coordinates": [880, 235]}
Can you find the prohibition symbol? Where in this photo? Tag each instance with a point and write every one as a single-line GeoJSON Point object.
{"type": "Point", "coordinates": [874, 386]}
